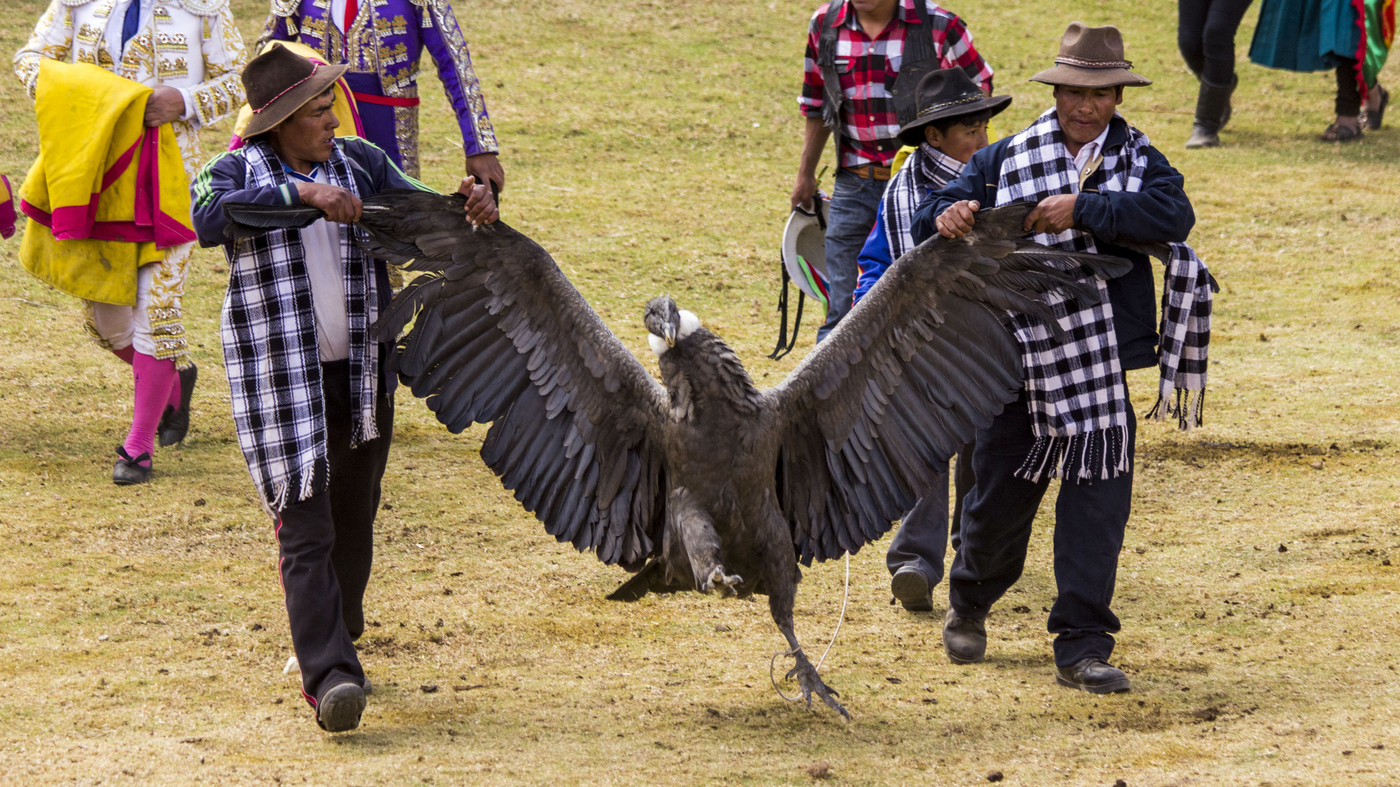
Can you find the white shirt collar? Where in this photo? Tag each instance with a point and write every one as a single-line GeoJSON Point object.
{"type": "Point", "coordinates": [1091, 149]}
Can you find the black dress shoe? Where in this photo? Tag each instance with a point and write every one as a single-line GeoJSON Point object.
{"type": "Point", "coordinates": [911, 587]}
{"type": "Point", "coordinates": [340, 707]}
{"type": "Point", "coordinates": [1093, 675]}
{"type": "Point", "coordinates": [175, 424]}
{"type": "Point", "coordinates": [965, 639]}
{"type": "Point", "coordinates": [130, 471]}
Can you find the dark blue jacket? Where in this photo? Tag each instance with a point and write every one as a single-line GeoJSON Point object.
{"type": "Point", "coordinates": [1159, 213]}
{"type": "Point", "coordinates": [874, 258]}
{"type": "Point", "coordinates": [222, 180]}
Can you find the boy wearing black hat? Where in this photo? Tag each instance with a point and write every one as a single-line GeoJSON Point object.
{"type": "Point", "coordinates": [945, 114]}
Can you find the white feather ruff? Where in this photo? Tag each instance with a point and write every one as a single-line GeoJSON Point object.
{"type": "Point", "coordinates": [658, 344]}
{"type": "Point", "coordinates": [689, 324]}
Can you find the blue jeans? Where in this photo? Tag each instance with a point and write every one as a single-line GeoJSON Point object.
{"type": "Point", "coordinates": [1090, 519]}
{"type": "Point", "coordinates": [854, 202]}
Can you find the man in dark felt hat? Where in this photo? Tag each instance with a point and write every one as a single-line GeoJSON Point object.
{"type": "Point", "coordinates": [944, 114]}
{"type": "Point", "coordinates": [313, 410]}
{"type": "Point", "coordinates": [1100, 187]}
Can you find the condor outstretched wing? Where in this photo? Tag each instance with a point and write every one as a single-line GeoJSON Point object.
{"type": "Point", "coordinates": [904, 381]}
{"type": "Point", "coordinates": [500, 336]}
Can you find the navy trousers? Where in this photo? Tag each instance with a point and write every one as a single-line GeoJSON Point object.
{"type": "Point", "coordinates": [854, 202]}
{"type": "Point", "coordinates": [326, 543]}
{"type": "Point", "coordinates": [1090, 519]}
{"type": "Point", "coordinates": [923, 535]}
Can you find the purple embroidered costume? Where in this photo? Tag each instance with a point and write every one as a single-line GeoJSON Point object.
{"type": "Point", "coordinates": [382, 47]}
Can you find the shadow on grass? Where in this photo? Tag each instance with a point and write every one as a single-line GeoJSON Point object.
{"type": "Point", "coordinates": [1202, 452]}
{"type": "Point", "coordinates": [1376, 147]}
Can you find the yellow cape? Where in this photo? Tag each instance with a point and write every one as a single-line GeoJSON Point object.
{"type": "Point", "coordinates": [91, 233]}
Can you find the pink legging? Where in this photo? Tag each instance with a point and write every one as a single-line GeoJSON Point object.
{"type": "Point", "coordinates": [157, 386]}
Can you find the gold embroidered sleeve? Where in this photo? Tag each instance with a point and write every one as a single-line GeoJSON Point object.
{"type": "Point", "coordinates": [221, 92]}
{"type": "Point", "coordinates": [52, 38]}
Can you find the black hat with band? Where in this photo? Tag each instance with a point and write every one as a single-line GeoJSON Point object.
{"type": "Point", "coordinates": [938, 94]}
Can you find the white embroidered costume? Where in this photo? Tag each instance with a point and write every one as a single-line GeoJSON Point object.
{"type": "Point", "coordinates": [191, 45]}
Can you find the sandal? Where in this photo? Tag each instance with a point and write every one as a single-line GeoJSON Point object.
{"type": "Point", "coordinates": [1340, 134]}
{"type": "Point", "coordinates": [1372, 120]}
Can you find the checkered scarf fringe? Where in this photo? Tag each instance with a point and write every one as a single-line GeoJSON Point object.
{"type": "Point", "coordinates": [271, 350]}
{"type": "Point", "coordinates": [1076, 390]}
{"type": "Point", "coordinates": [926, 169]}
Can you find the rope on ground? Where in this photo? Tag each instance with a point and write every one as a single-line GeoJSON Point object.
{"type": "Point", "coordinates": [773, 661]}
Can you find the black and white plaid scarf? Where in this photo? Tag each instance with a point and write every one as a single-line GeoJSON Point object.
{"type": "Point", "coordinates": [270, 346]}
{"type": "Point", "coordinates": [1076, 391]}
{"type": "Point", "coordinates": [927, 169]}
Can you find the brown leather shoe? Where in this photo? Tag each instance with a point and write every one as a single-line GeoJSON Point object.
{"type": "Point", "coordinates": [1093, 675]}
{"type": "Point", "coordinates": [965, 639]}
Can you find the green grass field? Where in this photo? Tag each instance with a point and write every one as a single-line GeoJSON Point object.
{"type": "Point", "coordinates": [651, 147]}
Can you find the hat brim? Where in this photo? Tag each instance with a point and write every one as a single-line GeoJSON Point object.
{"type": "Point", "coordinates": [1074, 76]}
{"type": "Point", "coordinates": [282, 107]}
{"type": "Point", "coordinates": [913, 132]}
{"type": "Point", "coordinates": [804, 253]}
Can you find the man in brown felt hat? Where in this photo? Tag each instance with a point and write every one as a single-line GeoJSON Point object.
{"type": "Point", "coordinates": [313, 410]}
{"type": "Point", "coordinates": [1100, 187]}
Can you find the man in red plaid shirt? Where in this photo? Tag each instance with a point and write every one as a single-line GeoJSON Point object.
{"type": "Point", "coordinates": [866, 41]}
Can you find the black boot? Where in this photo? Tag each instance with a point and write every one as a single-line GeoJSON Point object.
{"type": "Point", "coordinates": [1229, 96]}
{"type": "Point", "coordinates": [1212, 104]}
{"type": "Point", "coordinates": [964, 639]}
{"type": "Point", "coordinates": [175, 424]}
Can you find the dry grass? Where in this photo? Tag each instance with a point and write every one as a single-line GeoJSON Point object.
{"type": "Point", "coordinates": [142, 633]}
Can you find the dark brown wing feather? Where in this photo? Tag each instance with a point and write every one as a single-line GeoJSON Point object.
{"type": "Point", "coordinates": [908, 376]}
{"type": "Point", "coordinates": [500, 336]}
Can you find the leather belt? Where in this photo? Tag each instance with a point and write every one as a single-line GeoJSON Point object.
{"type": "Point", "coordinates": [868, 171]}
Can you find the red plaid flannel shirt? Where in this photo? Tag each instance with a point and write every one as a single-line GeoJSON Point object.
{"type": "Point", "coordinates": [868, 70]}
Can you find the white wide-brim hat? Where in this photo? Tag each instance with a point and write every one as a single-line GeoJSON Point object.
{"type": "Point", "coordinates": [804, 248]}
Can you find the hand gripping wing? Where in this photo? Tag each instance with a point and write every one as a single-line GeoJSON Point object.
{"type": "Point", "coordinates": [906, 379]}
{"type": "Point", "coordinates": [500, 336]}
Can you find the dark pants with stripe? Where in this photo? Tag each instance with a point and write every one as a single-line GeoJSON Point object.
{"type": "Point", "coordinates": [923, 535]}
{"type": "Point", "coordinates": [1090, 520]}
{"type": "Point", "coordinates": [326, 543]}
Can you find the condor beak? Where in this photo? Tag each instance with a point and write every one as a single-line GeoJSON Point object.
{"type": "Point", "coordinates": [668, 332]}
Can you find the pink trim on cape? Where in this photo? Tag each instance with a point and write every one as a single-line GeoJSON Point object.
{"type": "Point", "coordinates": [78, 222]}
{"type": "Point", "coordinates": [7, 211]}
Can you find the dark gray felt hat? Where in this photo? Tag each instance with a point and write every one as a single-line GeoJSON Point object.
{"type": "Point", "coordinates": [936, 94]}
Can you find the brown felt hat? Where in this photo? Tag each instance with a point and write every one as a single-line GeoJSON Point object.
{"type": "Point", "coordinates": [1091, 57]}
{"type": "Point", "coordinates": [279, 82]}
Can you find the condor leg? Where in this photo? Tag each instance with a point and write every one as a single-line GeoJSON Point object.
{"type": "Point", "coordinates": [780, 566]}
{"type": "Point", "coordinates": [692, 547]}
